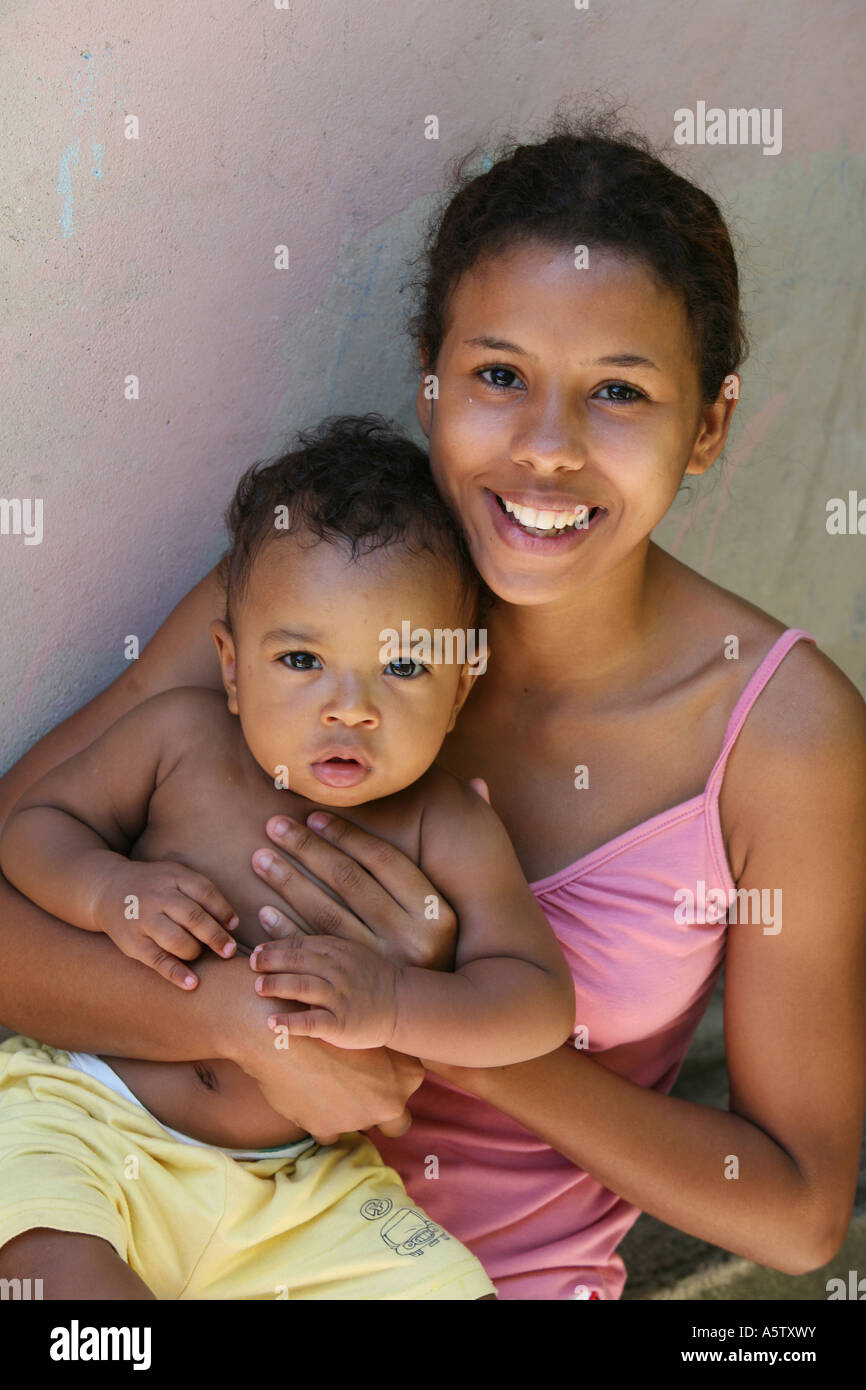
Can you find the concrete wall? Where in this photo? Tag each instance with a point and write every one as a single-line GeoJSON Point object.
{"type": "Point", "coordinates": [305, 126]}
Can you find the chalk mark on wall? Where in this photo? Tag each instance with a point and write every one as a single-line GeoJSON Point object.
{"type": "Point", "coordinates": [83, 109]}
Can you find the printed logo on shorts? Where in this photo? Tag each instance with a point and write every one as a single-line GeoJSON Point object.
{"type": "Point", "coordinates": [408, 1232]}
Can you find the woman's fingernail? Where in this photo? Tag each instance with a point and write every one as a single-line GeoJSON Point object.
{"type": "Point", "coordinates": [260, 984]}
{"type": "Point", "coordinates": [254, 958]}
{"type": "Point", "coordinates": [263, 859]}
{"type": "Point", "coordinates": [269, 916]}
{"type": "Point", "coordinates": [280, 827]}
{"type": "Point", "coordinates": [318, 820]}
{"type": "Point", "coordinates": [189, 981]}
{"type": "Point", "coordinates": [229, 948]}
{"type": "Point", "coordinates": [235, 922]}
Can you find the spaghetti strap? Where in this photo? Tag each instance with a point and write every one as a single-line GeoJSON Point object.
{"type": "Point", "coordinates": [757, 681]}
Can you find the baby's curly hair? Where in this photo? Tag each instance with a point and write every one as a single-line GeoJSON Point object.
{"type": "Point", "coordinates": [352, 480]}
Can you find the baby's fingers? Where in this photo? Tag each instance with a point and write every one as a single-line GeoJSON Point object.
{"type": "Point", "coordinates": [149, 951]}
{"type": "Point", "coordinates": [189, 909]}
{"type": "Point", "coordinates": [304, 989]}
{"type": "Point", "coordinates": [314, 1023]}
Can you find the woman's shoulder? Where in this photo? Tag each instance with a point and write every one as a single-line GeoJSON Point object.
{"type": "Point", "coordinates": [799, 752]}
{"type": "Point", "coordinates": [700, 605]}
{"type": "Point", "coordinates": [807, 703]}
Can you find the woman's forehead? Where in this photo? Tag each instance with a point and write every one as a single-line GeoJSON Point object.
{"type": "Point", "coordinates": [533, 297]}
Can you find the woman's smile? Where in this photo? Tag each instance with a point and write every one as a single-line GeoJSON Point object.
{"type": "Point", "coordinates": [543, 529]}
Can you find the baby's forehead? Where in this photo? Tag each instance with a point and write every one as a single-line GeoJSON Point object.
{"type": "Point", "coordinates": [305, 573]}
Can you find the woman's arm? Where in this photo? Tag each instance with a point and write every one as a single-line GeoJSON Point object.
{"type": "Point", "coordinates": [773, 1179]}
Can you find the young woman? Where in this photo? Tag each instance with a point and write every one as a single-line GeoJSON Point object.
{"type": "Point", "coordinates": [657, 747]}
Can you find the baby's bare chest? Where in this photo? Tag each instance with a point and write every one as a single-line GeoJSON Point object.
{"type": "Point", "coordinates": [207, 816]}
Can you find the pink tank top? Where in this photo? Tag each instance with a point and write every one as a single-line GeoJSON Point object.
{"type": "Point", "coordinates": [543, 1228]}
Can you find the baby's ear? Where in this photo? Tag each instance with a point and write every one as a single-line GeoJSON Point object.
{"type": "Point", "coordinates": [225, 645]}
{"type": "Point", "coordinates": [469, 673]}
{"type": "Point", "coordinates": [427, 392]}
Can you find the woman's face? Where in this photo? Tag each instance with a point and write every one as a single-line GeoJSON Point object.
{"type": "Point", "coordinates": [569, 409]}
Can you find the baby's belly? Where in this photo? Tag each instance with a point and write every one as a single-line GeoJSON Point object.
{"type": "Point", "coordinates": [213, 1101]}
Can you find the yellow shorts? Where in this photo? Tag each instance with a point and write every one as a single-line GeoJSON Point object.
{"type": "Point", "coordinates": [332, 1223]}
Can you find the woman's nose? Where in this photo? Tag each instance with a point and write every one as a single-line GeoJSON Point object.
{"type": "Point", "coordinates": [550, 436]}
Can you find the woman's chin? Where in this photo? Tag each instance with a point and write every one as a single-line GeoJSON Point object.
{"type": "Point", "coordinates": [523, 590]}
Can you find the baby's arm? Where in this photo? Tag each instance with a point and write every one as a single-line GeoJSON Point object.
{"type": "Point", "coordinates": [65, 843]}
{"type": "Point", "coordinates": [511, 997]}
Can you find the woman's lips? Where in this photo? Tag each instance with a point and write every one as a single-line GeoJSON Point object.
{"type": "Point", "coordinates": [339, 772]}
{"type": "Point", "coordinates": [519, 538]}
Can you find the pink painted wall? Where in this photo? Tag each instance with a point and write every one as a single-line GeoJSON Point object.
{"type": "Point", "coordinates": [260, 126]}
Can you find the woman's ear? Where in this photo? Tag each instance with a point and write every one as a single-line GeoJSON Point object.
{"type": "Point", "coordinates": [225, 645]}
{"type": "Point", "coordinates": [715, 422]}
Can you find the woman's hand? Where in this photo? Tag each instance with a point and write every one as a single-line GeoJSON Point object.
{"type": "Point", "coordinates": [388, 904]}
{"type": "Point", "coordinates": [324, 1090]}
{"type": "Point", "coordinates": [329, 1091]}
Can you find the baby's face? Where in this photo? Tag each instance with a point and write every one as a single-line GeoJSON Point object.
{"type": "Point", "coordinates": [304, 667]}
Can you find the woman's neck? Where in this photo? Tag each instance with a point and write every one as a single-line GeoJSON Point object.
{"type": "Point", "coordinates": [593, 640]}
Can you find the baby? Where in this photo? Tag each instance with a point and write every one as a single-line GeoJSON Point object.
{"type": "Point", "coordinates": [147, 835]}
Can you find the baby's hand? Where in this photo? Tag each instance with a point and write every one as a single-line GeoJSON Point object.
{"type": "Point", "coordinates": [162, 914]}
{"type": "Point", "coordinates": [350, 991]}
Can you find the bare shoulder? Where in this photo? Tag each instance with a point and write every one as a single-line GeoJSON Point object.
{"type": "Point", "coordinates": [705, 614]}
{"type": "Point", "coordinates": [808, 698]}
{"type": "Point", "coordinates": [805, 732]}
{"type": "Point", "coordinates": [794, 789]}
{"type": "Point", "coordinates": [453, 813]}
{"type": "Point", "coordinates": [185, 718]}
{"type": "Point", "coordinates": [809, 708]}
{"type": "Point", "coordinates": [184, 705]}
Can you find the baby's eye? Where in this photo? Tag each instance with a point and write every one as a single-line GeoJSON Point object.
{"type": "Point", "coordinates": [621, 386]}
{"type": "Point", "coordinates": [406, 669]}
{"type": "Point", "coordinates": [302, 661]}
{"type": "Point", "coordinates": [497, 374]}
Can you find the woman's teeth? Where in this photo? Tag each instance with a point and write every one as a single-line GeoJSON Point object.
{"type": "Point", "coordinates": [547, 523]}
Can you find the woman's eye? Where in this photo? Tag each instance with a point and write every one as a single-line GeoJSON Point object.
{"type": "Point", "coordinates": [498, 373]}
{"type": "Point", "coordinates": [302, 661]}
{"type": "Point", "coordinates": [620, 387]}
{"type": "Point", "coordinates": [405, 669]}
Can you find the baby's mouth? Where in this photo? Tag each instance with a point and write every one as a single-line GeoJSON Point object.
{"type": "Point", "coordinates": [340, 770]}
{"type": "Point", "coordinates": [548, 522]}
